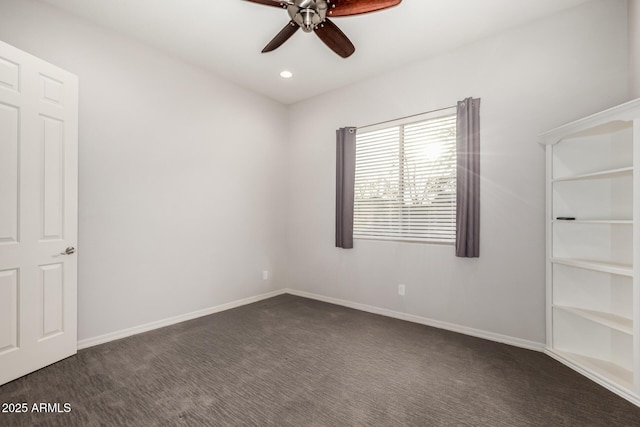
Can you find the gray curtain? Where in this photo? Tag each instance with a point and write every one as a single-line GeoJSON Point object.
{"type": "Point", "coordinates": [468, 179]}
{"type": "Point", "coordinates": [345, 182]}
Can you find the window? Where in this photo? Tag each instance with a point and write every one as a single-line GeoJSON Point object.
{"type": "Point", "coordinates": [405, 185]}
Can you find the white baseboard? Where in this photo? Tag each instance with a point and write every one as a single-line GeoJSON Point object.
{"type": "Point", "coordinates": [90, 342]}
{"type": "Point", "coordinates": [478, 333]}
{"type": "Point", "coordinates": [505, 339]}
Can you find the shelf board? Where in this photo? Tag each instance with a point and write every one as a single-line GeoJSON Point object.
{"type": "Point", "coordinates": [605, 267]}
{"type": "Point", "coordinates": [607, 370]}
{"type": "Point", "coordinates": [594, 221]}
{"type": "Point", "coordinates": [611, 173]}
{"type": "Point", "coordinates": [609, 320]}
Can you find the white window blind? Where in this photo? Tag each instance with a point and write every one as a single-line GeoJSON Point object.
{"type": "Point", "coordinates": [405, 186]}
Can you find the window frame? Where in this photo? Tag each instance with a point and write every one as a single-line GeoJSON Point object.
{"type": "Point", "coordinates": [408, 121]}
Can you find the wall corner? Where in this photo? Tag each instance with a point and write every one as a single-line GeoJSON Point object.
{"type": "Point", "coordinates": [634, 48]}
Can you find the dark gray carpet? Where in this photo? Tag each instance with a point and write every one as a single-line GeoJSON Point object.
{"type": "Point", "coordinates": [290, 361]}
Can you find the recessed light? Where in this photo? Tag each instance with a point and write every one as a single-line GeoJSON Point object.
{"type": "Point", "coordinates": [286, 74]}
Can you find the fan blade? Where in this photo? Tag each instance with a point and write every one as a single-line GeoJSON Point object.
{"type": "Point", "coordinates": [275, 3]}
{"type": "Point", "coordinates": [356, 7]}
{"type": "Point", "coordinates": [331, 35]}
{"type": "Point", "coordinates": [281, 37]}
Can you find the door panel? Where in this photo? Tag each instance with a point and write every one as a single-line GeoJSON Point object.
{"type": "Point", "coordinates": [9, 170]}
{"type": "Point", "coordinates": [52, 90]}
{"type": "Point", "coordinates": [52, 187]}
{"type": "Point", "coordinates": [52, 291]}
{"type": "Point", "coordinates": [9, 74]}
{"type": "Point", "coordinates": [8, 311]}
{"type": "Point", "coordinates": [38, 213]}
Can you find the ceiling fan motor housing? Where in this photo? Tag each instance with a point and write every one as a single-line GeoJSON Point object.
{"type": "Point", "coordinates": [308, 14]}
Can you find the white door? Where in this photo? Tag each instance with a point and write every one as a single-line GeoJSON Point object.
{"type": "Point", "coordinates": [38, 213]}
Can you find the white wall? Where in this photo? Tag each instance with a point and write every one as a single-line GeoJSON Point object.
{"type": "Point", "coordinates": [179, 175]}
{"type": "Point", "coordinates": [634, 48]}
{"type": "Point", "coordinates": [530, 79]}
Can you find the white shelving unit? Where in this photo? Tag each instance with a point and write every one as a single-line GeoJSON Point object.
{"type": "Point", "coordinates": [593, 262]}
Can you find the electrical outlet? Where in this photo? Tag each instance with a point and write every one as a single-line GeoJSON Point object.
{"type": "Point", "coordinates": [265, 275]}
{"type": "Point", "coordinates": [401, 290]}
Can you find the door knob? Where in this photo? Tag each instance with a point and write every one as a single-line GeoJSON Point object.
{"type": "Point", "coordinates": [70, 250]}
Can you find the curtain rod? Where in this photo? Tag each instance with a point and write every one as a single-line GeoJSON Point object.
{"type": "Point", "coordinates": [406, 117]}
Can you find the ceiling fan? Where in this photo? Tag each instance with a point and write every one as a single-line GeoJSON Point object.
{"type": "Point", "coordinates": [312, 15]}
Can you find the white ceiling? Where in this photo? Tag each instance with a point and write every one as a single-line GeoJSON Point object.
{"type": "Point", "coordinates": [226, 36]}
